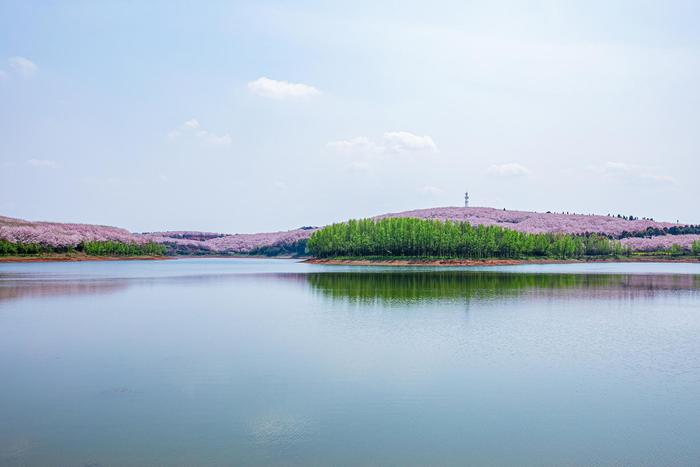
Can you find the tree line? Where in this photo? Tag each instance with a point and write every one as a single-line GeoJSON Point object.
{"type": "Point", "coordinates": [409, 237]}
{"type": "Point", "coordinates": [92, 248]}
{"type": "Point", "coordinates": [657, 232]}
{"type": "Point", "coordinates": [112, 248]}
{"type": "Point", "coordinates": [294, 249]}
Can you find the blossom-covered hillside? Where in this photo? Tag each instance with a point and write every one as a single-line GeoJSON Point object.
{"type": "Point", "coordinates": [535, 222]}
{"type": "Point", "coordinates": [203, 242]}
{"type": "Point", "coordinates": [58, 235]}
{"type": "Point", "coordinates": [660, 242]}
{"type": "Point", "coordinates": [192, 242]}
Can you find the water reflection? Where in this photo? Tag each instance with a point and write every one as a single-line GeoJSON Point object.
{"type": "Point", "coordinates": [13, 290]}
{"type": "Point", "coordinates": [31, 286]}
{"type": "Point", "coordinates": [223, 362]}
{"type": "Point", "coordinates": [366, 286]}
{"type": "Point", "coordinates": [414, 287]}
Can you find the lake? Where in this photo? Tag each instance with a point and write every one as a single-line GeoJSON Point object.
{"type": "Point", "coordinates": [275, 362]}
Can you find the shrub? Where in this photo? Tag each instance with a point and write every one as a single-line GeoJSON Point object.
{"type": "Point", "coordinates": [675, 250]}
{"type": "Point", "coordinates": [695, 248]}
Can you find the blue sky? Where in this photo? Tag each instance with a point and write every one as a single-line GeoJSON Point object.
{"type": "Point", "coordinates": [258, 116]}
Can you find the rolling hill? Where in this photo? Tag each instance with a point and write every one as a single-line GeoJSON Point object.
{"type": "Point", "coordinates": [640, 234]}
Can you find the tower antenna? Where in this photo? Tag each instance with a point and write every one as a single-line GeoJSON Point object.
{"type": "Point", "coordinates": [466, 199]}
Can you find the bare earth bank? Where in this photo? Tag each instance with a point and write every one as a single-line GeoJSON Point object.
{"type": "Point", "coordinates": [78, 257]}
{"type": "Point", "coordinates": [493, 262]}
{"type": "Point", "coordinates": [74, 257]}
{"type": "Point", "coordinates": [356, 262]}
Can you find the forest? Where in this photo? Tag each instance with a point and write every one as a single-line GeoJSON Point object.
{"type": "Point", "coordinates": [420, 238]}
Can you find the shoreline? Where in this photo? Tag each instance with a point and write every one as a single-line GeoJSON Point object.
{"type": "Point", "coordinates": [76, 258]}
{"type": "Point", "coordinates": [56, 258]}
{"type": "Point", "coordinates": [488, 262]}
{"type": "Point", "coordinates": [355, 262]}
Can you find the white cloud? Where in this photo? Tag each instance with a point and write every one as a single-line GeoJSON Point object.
{"type": "Point", "coordinates": [392, 142]}
{"type": "Point", "coordinates": [211, 138]}
{"type": "Point", "coordinates": [431, 190]}
{"type": "Point", "coordinates": [22, 66]}
{"type": "Point", "coordinates": [192, 126]}
{"type": "Point", "coordinates": [273, 89]}
{"type": "Point", "coordinates": [403, 141]}
{"type": "Point", "coordinates": [508, 170]}
{"type": "Point", "coordinates": [43, 163]}
{"type": "Point", "coordinates": [624, 172]}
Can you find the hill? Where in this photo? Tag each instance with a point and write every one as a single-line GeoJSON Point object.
{"type": "Point", "coordinates": [536, 222]}
{"type": "Point", "coordinates": [216, 243]}
{"type": "Point", "coordinates": [640, 234]}
{"type": "Point", "coordinates": [58, 235]}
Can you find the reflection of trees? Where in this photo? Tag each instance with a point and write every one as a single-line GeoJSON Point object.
{"type": "Point", "coordinates": [451, 285]}
{"type": "Point", "coordinates": [386, 286]}
{"type": "Point", "coordinates": [11, 290]}
{"type": "Point", "coordinates": [19, 286]}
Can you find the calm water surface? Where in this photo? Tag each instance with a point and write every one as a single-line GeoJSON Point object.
{"type": "Point", "coordinates": [248, 362]}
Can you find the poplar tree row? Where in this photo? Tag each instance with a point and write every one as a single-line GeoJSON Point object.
{"type": "Point", "coordinates": [409, 237]}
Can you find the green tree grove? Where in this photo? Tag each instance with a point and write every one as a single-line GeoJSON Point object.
{"type": "Point", "coordinates": [409, 237]}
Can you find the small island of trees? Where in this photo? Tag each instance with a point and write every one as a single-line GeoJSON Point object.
{"type": "Point", "coordinates": [419, 238]}
{"type": "Point", "coordinates": [406, 237]}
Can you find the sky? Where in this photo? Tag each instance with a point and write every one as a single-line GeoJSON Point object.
{"type": "Point", "coordinates": [262, 116]}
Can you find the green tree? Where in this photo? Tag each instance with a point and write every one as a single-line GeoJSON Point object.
{"type": "Point", "coordinates": [695, 248]}
{"type": "Point", "coordinates": [675, 250]}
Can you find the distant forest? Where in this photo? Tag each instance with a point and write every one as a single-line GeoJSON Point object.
{"type": "Point", "coordinates": [657, 232]}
